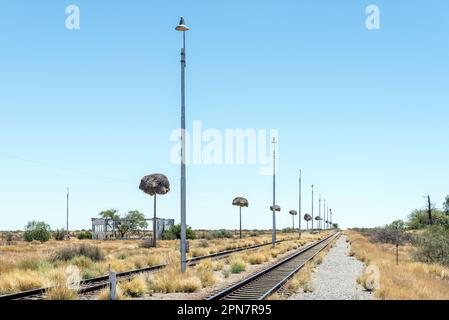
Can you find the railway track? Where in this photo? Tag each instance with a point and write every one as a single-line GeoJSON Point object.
{"type": "Point", "coordinates": [88, 286]}
{"type": "Point", "coordinates": [268, 281]}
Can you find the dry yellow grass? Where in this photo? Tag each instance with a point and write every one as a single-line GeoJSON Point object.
{"type": "Point", "coordinates": [19, 280]}
{"type": "Point", "coordinates": [135, 287]}
{"type": "Point", "coordinates": [275, 296]}
{"type": "Point", "coordinates": [302, 279]}
{"type": "Point", "coordinates": [28, 265]}
{"type": "Point", "coordinates": [407, 281]}
{"type": "Point", "coordinates": [170, 279]}
{"type": "Point", "coordinates": [104, 294]}
{"type": "Point", "coordinates": [237, 265]}
{"type": "Point", "coordinates": [61, 293]}
{"type": "Point", "coordinates": [257, 258]}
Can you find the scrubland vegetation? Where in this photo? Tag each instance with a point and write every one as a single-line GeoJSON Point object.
{"type": "Point", "coordinates": [410, 279]}
{"type": "Point", "coordinates": [423, 246]}
{"type": "Point", "coordinates": [29, 265]}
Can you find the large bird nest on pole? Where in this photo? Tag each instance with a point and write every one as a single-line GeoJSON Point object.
{"type": "Point", "coordinates": [276, 208]}
{"type": "Point", "coordinates": [240, 201]}
{"type": "Point", "coordinates": [155, 184]}
{"type": "Point", "coordinates": [307, 217]}
{"type": "Point", "coordinates": [293, 212]}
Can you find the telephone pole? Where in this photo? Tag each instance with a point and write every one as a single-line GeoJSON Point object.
{"type": "Point", "coordinates": [67, 207]}
{"type": "Point", "coordinates": [312, 207]}
{"type": "Point", "coordinates": [300, 204]}
{"type": "Point", "coordinates": [324, 208]}
{"type": "Point", "coordinates": [319, 215]}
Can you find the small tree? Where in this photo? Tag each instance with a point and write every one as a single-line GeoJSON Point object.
{"type": "Point", "coordinates": [133, 221]}
{"type": "Point", "coordinates": [433, 246]}
{"type": "Point", "coordinates": [418, 219]}
{"type": "Point", "coordinates": [446, 205]}
{"type": "Point", "coordinates": [37, 230]}
{"type": "Point", "coordinates": [110, 214]}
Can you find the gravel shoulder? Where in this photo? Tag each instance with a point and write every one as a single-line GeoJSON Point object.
{"type": "Point", "coordinates": [336, 277]}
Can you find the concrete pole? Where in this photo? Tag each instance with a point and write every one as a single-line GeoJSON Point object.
{"type": "Point", "coordinates": [273, 235]}
{"type": "Point", "coordinates": [183, 246]}
{"type": "Point", "coordinates": [319, 214]}
{"type": "Point", "coordinates": [312, 207]}
{"type": "Point", "coordinates": [300, 214]}
{"type": "Point", "coordinates": [67, 213]}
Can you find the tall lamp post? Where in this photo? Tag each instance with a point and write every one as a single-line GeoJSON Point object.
{"type": "Point", "coordinates": [324, 213]}
{"type": "Point", "coordinates": [67, 217]}
{"type": "Point", "coordinates": [183, 247]}
{"type": "Point", "coordinates": [312, 207]}
{"type": "Point", "coordinates": [319, 215]}
{"type": "Point", "coordinates": [330, 210]}
{"type": "Point", "coordinates": [299, 216]}
{"type": "Point", "coordinates": [273, 234]}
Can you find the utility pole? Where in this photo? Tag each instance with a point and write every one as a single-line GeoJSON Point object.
{"type": "Point", "coordinates": [300, 214]}
{"type": "Point", "coordinates": [312, 207]}
{"type": "Point", "coordinates": [319, 214]}
{"type": "Point", "coordinates": [67, 212]}
{"type": "Point", "coordinates": [324, 213]}
{"type": "Point", "coordinates": [273, 235]}
{"type": "Point", "coordinates": [331, 218]}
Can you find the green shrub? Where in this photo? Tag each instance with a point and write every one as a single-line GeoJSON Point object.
{"type": "Point", "coordinates": [222, 233]}
{"type": "Point", "coordinates": [82, 262]}
{"type": "Point", "coordinates": [70, 252]}
{"type": "Point", "coordinates": [433, 246]}
{"type": "Point", "coordinates": [419, 219]}
{"type": "Point", "coordinates": [88, 274]}
{"type": "Point", "coordinates": [37, 230]}
{"type": "Point", "coordinates": [84, 235]}
{"type": "Point", "coordinates": [175, 233]}
{"type": "Point", "coordinates": [237, 266]}
{"type": "Point", "coordinates": [33, 264]}
{"type": "Point", "coordinates": [59, 234]}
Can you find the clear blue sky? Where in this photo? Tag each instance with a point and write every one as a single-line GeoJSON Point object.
{"type": "Point", "coordinates": [362, 113]}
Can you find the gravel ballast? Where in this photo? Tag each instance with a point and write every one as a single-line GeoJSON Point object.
{"type": "Point", "coordinates": [336, 277]}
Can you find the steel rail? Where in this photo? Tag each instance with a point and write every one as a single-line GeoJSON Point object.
{"type": "Point", "coordinates": [264, 283]}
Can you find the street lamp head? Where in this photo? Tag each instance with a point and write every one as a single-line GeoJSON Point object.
{"type": "Point", "coordinates": [181, 26]}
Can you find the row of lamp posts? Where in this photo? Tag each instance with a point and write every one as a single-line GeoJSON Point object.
{"type": "Point", "coordinates": [159, 184]}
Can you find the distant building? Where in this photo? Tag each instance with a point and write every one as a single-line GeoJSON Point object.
{"type": "Point", "coordinates": [106, 228]}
